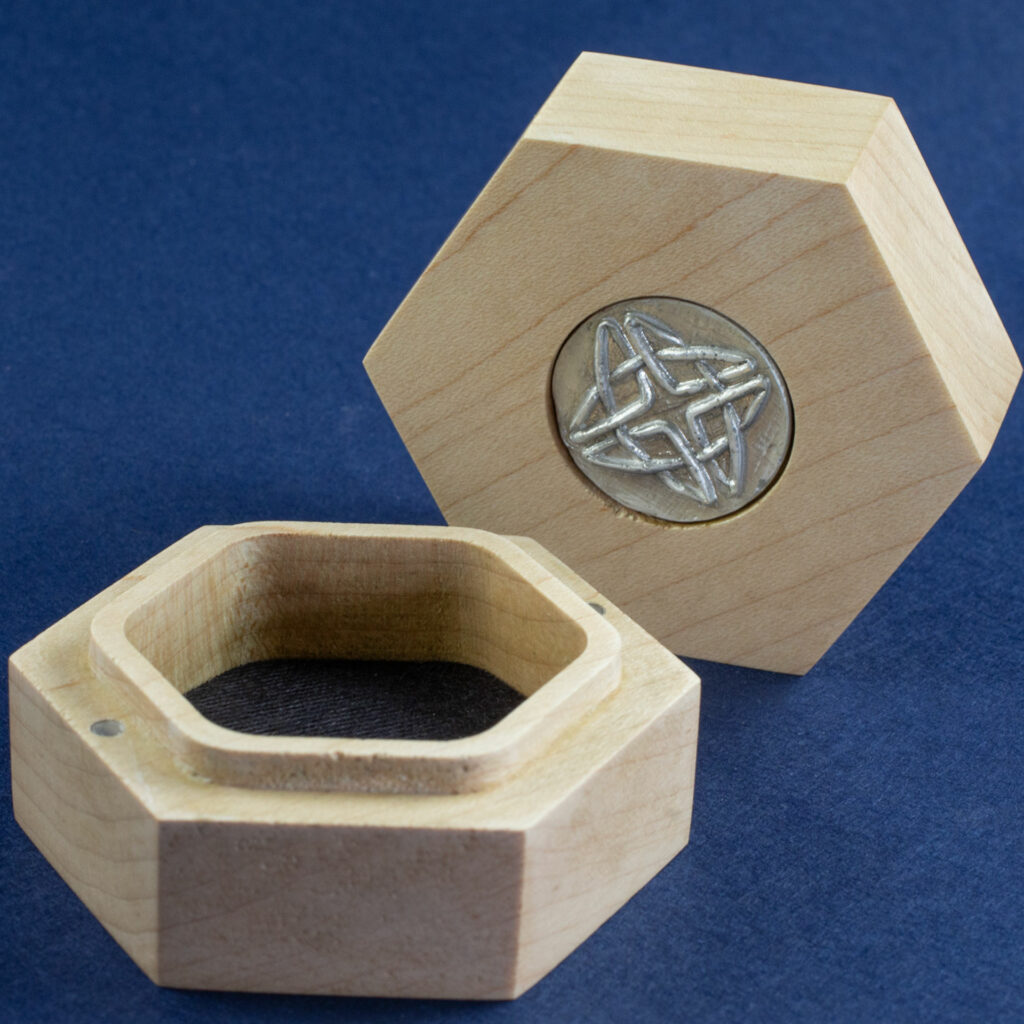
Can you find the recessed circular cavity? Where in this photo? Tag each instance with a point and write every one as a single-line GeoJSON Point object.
{"type": "Point", "coordinates": [671, 409]}
{"type": "Point", "coordinates": [107, 727]}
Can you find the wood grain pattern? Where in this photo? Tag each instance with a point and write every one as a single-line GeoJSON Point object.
{"type": "Point", "coordinates": [457, 895]}
{"type": "Point", "coordinates": [688, 113]}
{"type": "Point", "coordinates": [934, 273]}
{"type": "Point", "coordinates": [805, 214]}
{"type": "Point", "coordinates": [356, 591]}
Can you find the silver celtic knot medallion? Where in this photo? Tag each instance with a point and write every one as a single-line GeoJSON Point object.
{"type": "Point", "coordinates": [671, 409]}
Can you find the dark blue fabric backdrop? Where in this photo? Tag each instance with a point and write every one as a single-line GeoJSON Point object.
{"type": "Point", "coordinates": [208, 210]}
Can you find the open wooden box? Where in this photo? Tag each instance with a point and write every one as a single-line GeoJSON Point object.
{"type": "Point", "coordinates": [468, 868]}
{"type": "Point", "coordinates": [460, 869]}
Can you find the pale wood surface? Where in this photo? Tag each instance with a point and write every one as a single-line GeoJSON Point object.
{"type": "Point", "coordinates": [285, 590]}
{"type": "Point", "coordinates": [805, 214]}
{"type": "Point", "coordinates": [714, 117]}
{"type": "Point", "coordinates": [462, 895]}
{"type": "Point", "coordinates": [931, 267]}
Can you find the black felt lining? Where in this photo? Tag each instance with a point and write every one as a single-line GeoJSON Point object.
{"type": "Point", "coordinates": [422, 700]}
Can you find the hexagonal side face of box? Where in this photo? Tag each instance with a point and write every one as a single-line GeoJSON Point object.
{"type": "Point", "coordinates": [342, 910]}
{"type": "Point", "coordinates": [343, 591]}
{"type": "Point", "coordinates": [596, 849]}
{"type": "Point", "coordinates": [82, 816]}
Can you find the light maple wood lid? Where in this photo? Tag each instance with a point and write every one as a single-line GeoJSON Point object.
{"type": "Point", "coordinates": [804, 213]}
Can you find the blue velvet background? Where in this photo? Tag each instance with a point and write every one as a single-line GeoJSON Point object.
{"type": "Point", "coordinates": [208, 210]}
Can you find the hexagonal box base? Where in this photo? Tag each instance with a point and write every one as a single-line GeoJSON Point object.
{"type": "Point", "coordinates": [213, 870]}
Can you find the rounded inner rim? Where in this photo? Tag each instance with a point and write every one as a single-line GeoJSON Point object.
{"type": "Point", "coordinates": [296, 596]}
{"type": "Point", "coordinates": [356, 591]}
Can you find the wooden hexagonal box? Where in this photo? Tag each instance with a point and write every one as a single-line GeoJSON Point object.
{"type": "Point", "coordinates": [802, 216]}
{"type": "Point", "coordinates": [400, 867]}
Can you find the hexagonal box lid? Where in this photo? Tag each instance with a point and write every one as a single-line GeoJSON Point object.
{"type": "Point", "coordinates": [715, 342]}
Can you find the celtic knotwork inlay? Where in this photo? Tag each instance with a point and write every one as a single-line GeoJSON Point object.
{"type": "Point", "coordinates": [674, 406]}
{"type": "Point", "coordinates": [722, 379]}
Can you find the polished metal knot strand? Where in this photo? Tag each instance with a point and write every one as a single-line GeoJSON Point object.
{"type": "Point", "coordinates": [606, 432]}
